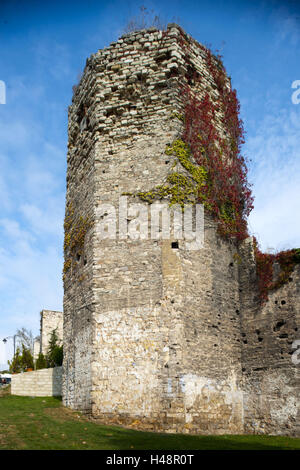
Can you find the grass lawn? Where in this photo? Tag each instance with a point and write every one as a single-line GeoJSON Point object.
{"type": "Point", "coordinates": [43, 423]}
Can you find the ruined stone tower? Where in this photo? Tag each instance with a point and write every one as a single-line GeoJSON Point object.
{"type": "Point", "coordinates": [156, 334]}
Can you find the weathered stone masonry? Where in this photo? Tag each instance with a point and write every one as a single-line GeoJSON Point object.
{"type": "Point", "coordinates": [160, 337]}
{"type": "Point", "coordinates": [49, 320]}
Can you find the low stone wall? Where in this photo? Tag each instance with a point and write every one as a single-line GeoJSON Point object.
{"type": "Point", "coordinates": [38, 383]}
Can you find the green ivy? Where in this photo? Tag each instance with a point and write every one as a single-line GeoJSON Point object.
{"type": "Point", "coordinates": [179, 188]}
{"type": "Point", "coordinates": [297, 255]}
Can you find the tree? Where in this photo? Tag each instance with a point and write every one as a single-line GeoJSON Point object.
{"type": "Point", "coordinates": [25, 337]}
{"type": "Point", "coordinates": [41, 362]}
{"type": "Point", "coordinates": [15, 365]}
{"type": "Point", "coordinates": [57, 356]}
{"type": "Point", "coordinates": [26, 358]}
{"type": "Point", "coordinates": [21, 362]}
{"type": "Point", "coordinates": [55, 351]}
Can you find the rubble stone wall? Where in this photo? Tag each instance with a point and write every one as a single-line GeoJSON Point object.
{"type": "Point", "coordinates": [154, 333]}
{"type": "Point", "coordinates": [50, 320]}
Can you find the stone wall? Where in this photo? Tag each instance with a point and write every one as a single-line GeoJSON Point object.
{"type": "Point", "coordinates": [50, 320]}
{"type": "Point", "coordinates": [154, 332]}
{"type": "Point", "coordinates": [271, 380]}
{"type": "Point", "coordinates": [38, 383]}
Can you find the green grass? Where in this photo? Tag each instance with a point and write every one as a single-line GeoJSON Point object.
{"type": "Point", "coordinates": [43, 423]}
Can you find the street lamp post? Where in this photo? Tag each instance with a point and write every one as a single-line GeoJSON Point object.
{"type": "Point", "coordinates": [14, 338]}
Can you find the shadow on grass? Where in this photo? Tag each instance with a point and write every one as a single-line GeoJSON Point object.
{"type": "Point", "coordinates": [128, 439]}
{"type": "Point", "coordinates": [59, 398]}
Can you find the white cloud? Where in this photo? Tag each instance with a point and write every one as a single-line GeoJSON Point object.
{"type": "Point", "coordinates": [287, 25]}
{"type": "Point", "coordinates": [12, 229]}
{"type": "Point", "coordinates": [54, 57]}
{"type": "Point", "coordinates": [31, 280]}
{"type": "Point", "coordinates": [276, 176]}
{"type": "Point", "coordinates": [32, 187]}
{"type": "Point", "coordinates": [46, 220]}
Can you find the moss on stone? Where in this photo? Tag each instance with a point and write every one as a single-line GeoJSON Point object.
{"type": "Point", "coordinates": [179, 188]}
{"type": "Point", "coordinates": [75, 231]}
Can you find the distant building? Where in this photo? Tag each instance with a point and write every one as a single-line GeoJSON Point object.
{"type": "Point", "coordinates": [36, 349]}
{"type": "Point", "coordinates": [50, 320]}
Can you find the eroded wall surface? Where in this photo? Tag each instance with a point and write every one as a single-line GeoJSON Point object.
{"type": "Point", "coordinates": [271, 371]}
{"type": "Point", "coordinates": [50, 320]}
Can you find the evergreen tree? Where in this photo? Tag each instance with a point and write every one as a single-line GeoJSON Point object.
{"type": "Point", "coordinates": [55, 351]}
{"type": "Point", "coordinates": [26, 359]}
{"type": "Point", "coordinates": [57, 356]}
{"type": "Point", "coordinates": [15, 365]}
{"type": "Point", "coordinates": [41, 362]}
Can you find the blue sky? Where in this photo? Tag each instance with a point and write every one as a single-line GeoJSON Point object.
{"type": "Point", "coordinates": [43, 48]}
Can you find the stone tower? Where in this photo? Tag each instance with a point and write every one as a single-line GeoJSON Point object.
{"type": "Point", "coordinates": [156, 334]}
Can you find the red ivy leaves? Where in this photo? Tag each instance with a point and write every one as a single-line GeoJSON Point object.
{"type": "Point", "coordinates": [227, 194]}
{"type": "Point", "coordinates": [265, 269]}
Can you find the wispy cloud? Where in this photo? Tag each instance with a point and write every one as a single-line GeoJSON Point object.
{"type": "Point", "coordinates": [32, 186]}
{"type": "Point", "coordinates": [33, 135]}
{"type": "Point", "coordinates": [275, 153]}
{"type": "Point", "coordinates": [53, 56]}
{"type": "Point", "coordinates": [287, 25]}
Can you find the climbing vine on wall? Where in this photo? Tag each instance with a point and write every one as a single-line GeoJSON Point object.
{"type": "Point", "coordinates": [226, 193]}
{"type": "Point", "coordinates": [212, 170]}
{"type": "Point", "coordinates": [265, 262]}
{"type": "Point", "coordinates": [180, 187]}
{"type": "Point", "coordinates": [75, 228]}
